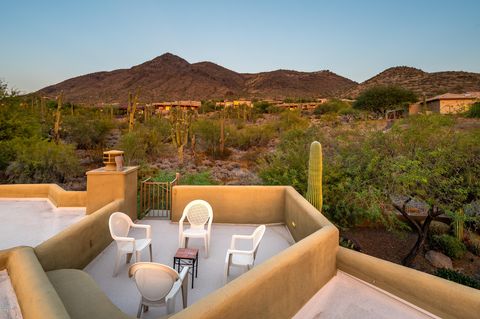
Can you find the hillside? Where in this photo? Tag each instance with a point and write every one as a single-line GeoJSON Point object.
{"type": "Point", "coordinates": [169, 77]}
{"type": "Point", "coordinates": [421, 82]}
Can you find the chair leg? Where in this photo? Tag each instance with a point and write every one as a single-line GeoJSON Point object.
{"type": "Point", "coordinates": [150, 248]}
{"type": "Point", "coordinates": [140, 309]}
{"type": "Point", "coordinates": [171, 306]}
{"type": "Point", "coordinates": [138, 255]}
{"type": "Point", "coordinates": [117, 263]}
{"type": "Point", "coordinates": [205, 239]}
{"type": "Point", "coordinates": [226, 272]}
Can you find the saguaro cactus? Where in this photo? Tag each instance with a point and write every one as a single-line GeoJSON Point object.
{"type": "Point", "coordinates": [315, 167]}
{"type": "Point", "coordinates": [58, 114]}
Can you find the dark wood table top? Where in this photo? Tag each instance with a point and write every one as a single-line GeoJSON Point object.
{"type": "Point", "coordinates": [186, 253]}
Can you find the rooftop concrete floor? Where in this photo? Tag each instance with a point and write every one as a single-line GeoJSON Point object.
{"type": "Point", "coordinates": [123, 291]}
{"type": "Point", "coordinates": [347, 297]}
{"type": "Point", "coordinates": [31, 222]}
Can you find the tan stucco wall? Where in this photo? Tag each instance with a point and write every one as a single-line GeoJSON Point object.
{"type": "Point", "coordinates": [299, 212]}
{"type": "Point", "coordinates": [443, 298]}
{"type": "Point", "coordinates": [104, 187]}
{"type": "Point", "coordinates": [35, 294]}
{"type": "Point", "coordinates": [57, 195]}
{"type": "Point", "coordinates": [455, 106]}
{"type": "Point", "coordinates": [277, 288]}
{"type": "Point", "coordinates": [234, 204]}
{"type": "Point", "coordinates": [76, 246]}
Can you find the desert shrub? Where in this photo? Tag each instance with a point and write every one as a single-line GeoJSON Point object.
{"type": "Point", "coordinates": [457, 277]}
{"type": "Point", "coordinates": [207, 107]}
{"type": "Point", "coordinates": [473, 245]}
{"type": "Point", "coordinates": [146, 141]}
{"type": "Point", "coordinates": [86, 131]}
{"type": "Point", "coordinates": [438, 228]}
{"type": "Point", "coordinates": [449, 245]}
{"type": "Point", "coordinates": [290, 120]}
{"type": "Point", "coordinates": [474, 111]}
{"type": "Point", "coordinates": [207, 132]}
{"type": "Point", "coordinates": [381, 98]}
{"type": "Point", "coordinates": [250, 136]}
{"type": "Point", "coordinates": [201, 178]}
{"type": "Point", "coordinates": [261, 107]}
{"type": "Point", "coordinates": [40, 161]}
{"type": "Point", "coordinates": [331, 106]}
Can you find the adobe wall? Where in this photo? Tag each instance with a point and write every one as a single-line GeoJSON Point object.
{"type": "Point", "coordinates": [234, 204]}
{"type": "Point", "coordinates": [57, 195]}
{"type": "Point", "coordinates": [455, 106]}
{"type": "Point", "coordinates": [441, 297]}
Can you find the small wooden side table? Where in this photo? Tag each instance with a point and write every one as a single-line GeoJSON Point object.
{"type": "Point", "coordinates": [186, 257]}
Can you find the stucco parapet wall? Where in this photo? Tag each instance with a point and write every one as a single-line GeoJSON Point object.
{"type": "Point", "coordinates": [441, 297]}
{"type": "Point", "coordinates": [57, 195]}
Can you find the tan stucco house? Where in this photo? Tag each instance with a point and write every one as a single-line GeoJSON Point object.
{"type": "Point", "coordinates": [451, 103]}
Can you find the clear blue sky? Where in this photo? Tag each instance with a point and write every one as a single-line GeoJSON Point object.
{"type": "Point", "coordinates": [45, 42]}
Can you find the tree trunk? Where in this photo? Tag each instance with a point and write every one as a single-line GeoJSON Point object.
{"type": "Point", "coordinates": [422, 230]}
{"type": "Point", "coordinates": [422, 236]}
{"type": "Point", "coordinates": [180, 154]}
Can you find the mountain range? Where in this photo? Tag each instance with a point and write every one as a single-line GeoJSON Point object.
{"type": "Point", "coordinates": [169, 77]}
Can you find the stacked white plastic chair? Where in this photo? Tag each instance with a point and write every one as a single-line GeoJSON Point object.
{"type": "Point", "coordinates": [120, 225]}
{"type": "Point", "coordinates": [158, 285]}
{"type": "Point", "coordinates": [199, 214]}
{"type": "Point", "coordinates": [243, 258]}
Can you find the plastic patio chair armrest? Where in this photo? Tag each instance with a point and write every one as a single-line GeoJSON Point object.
{"type": "Point", "coordinates": [178, 284]}
{"type": "Point", "coordinates": [130, 239]}
{"type": "Point", "coordinates": [240, 252]}
{"type": "Point", "coordinates": [243, 237]}
{"type": "Point", "coordinates": [183, 273]}
{"type": "Point", "coordinates": [148, 229]}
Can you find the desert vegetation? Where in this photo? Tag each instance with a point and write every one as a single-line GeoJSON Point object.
{"type": "Point", "coordinates": [377, 179]}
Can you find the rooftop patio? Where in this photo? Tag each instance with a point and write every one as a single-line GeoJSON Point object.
{"type": "Point", "coordinates": [30, 222]}
{"type": "Point", "coordinates": [123, 292]}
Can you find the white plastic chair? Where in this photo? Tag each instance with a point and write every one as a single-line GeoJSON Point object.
{"type": "Point", "coordinates": [158, 285]}
{"type": "Point", "coordinates": [243, 258]}
{"type": "Point", "coordinates": [120, 224]}
{"type": "Point", "coordinates": [198, 213]}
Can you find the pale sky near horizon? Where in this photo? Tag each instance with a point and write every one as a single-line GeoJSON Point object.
{"type": "Point", "coordinates": [46, 42]}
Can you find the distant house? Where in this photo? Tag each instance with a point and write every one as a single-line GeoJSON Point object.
{"type": "Point", "coordinates": [235, 103]}
{"type": "Point", "coordinates": [451, 103]}
{"type": "Point", "coordinates": [164, 107]}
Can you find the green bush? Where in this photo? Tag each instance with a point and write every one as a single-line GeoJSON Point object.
{"type": "Point", "coordinates": [86, 131]}
{"type": "Point", "coordinates": [250, 136]}
{"type": "Point", "coordinates": [473, 245]}
{"type": "Point", "coordinates": [146, 141]}
{"type": "Point", "coordinates": [449, 245]}
{"type": "Point", "coordinates": [438, 228]}
{"type": "Point", "coordinates": [331, 106]}
{"type": "Point", "coordinates": [40, 161]}
{"type": "Point", "coordinates": [474, 111]}
{"type": "Point", "coordinates": [201, 178]}
{"type": "Point", "coordinates": [457, 277]}
{"type": "Point", "coordinates": [381, 98]}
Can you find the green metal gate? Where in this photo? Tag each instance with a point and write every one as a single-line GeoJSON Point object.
{"type": "Point", "coordinates": [156, 198]}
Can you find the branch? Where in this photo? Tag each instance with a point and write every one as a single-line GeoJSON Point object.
{"type": "Point", "coordinates": [402, 210]}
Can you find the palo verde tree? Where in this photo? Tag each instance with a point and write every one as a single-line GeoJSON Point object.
{"type": "Point", "coordinates": [431, 162]}
{"type": "Point", "coordinates": [379, 99]}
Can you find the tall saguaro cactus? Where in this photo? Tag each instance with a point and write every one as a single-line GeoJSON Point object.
{"type": "Point", "coordinates": [132, 108]}
{"type": "Point", "coordinates": [180, 122]}
{"type": "Point", "coordinates": [315, 168]}
{"type": "Point", "coordinates": [58, 114]}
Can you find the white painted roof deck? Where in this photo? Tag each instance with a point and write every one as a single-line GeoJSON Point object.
{"type": "Point", "coordinates": [29, 222]}
{"type": "Point", "coordinates": [348, 297]}
{"type": "Point", "coordinates": [123, 292]}
{"type": "Point", "coordinates": [343, 296]}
